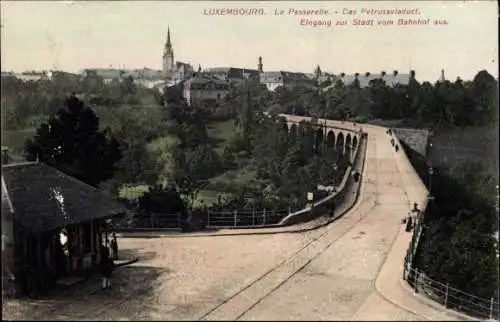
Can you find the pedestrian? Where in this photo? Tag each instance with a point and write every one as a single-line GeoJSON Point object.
{"type": "Point", "coordinates": [114, 246]}
{"type": "Point", "coordinates": [332, 210]}
{"type": "Point", "coordinates": [106, 267]}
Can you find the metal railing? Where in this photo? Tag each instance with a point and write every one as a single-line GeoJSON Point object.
{"type": "Point", "coordinates": [451, 297]}
{"type": "Point", "coordinates": [245, 218]}
{"type": "Point", "coordinates": [206, 218]}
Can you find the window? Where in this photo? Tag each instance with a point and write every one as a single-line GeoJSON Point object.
{"type": "Point", "coordinates": [218, 96]}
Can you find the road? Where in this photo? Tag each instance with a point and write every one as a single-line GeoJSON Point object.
{"type": "Point", "coordinates": [324, 274]}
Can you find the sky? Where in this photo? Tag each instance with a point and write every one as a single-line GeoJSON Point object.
{"type": "Point", "coordinates": [73, 35]}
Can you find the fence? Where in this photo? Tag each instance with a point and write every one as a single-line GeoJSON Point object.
{"type": "Point", "coordinates": [451, 297]}
{"type": "Point", "coordinates": [213, 219]}
{"type": "Point", "coordinates": [245, 218]}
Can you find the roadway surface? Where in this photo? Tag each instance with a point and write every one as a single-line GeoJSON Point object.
{"type": "Point", "coordinates": [324, 274]}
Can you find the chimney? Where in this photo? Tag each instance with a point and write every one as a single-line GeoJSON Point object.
{"type": "Point", "coordinates": [412, 74]}
{"type": "Point", "coordinates": [5, 155]}
{"type": "Point", "coordinates": [395, 73]}
{"type": "Point", "coordinates": [383, 73]}
{"type": "Point", "coordinates": [367, 74]}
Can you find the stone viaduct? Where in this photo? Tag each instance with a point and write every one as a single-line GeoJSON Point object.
{"type": "Point", "coordinates": [343, 137]}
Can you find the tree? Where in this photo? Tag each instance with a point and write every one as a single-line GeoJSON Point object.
{"type": "Point", "coordinates": [161, 199]}
{"type": "Point", "coordinates": [71, 142]}
{"type": "Point", "coordinates": [484, 90]}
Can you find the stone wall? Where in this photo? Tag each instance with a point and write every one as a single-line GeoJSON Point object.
{"type": "Point", "coordinates": [416, 139]}
{"type": "Point", "coordinates": [343, 199]}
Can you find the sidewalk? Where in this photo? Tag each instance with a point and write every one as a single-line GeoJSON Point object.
{"type": "Point", "coordinates": [393, 288]}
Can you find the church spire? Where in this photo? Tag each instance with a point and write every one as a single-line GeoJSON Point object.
{"type": "Point", "coordinates": [169, 44]}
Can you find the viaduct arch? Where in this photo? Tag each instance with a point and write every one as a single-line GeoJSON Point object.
{"type": "Point", "coordinates": [343, 140]}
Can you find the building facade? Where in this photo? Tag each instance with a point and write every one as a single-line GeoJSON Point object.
{"type": "Point", "coordinates": [203, 89]}
{"type": "Point", "coordinates": [273, 80]}
{"type": "Point", "coordinates": [391, 79]}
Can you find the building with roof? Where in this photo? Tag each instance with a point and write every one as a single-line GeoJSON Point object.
{"type": "Point", "coordinates": [107, 74]}
{"type": "Point", "coordinates": [233, 75]}
{"type": "Point", "coordinates": [392, 80]}
{"type": "Point", "coordinates": [52, 225]}
{"type": "Point", "coordinates": [273, 80]}
{"type": "Point", "coordinates": [203, 89]}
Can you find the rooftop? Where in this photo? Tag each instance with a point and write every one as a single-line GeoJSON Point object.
{"type": "Point", "coordinates": [42, 198]}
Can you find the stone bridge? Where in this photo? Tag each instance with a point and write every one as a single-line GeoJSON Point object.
{"type": "Point", "coordinates": [344, 137]}
{"type": "Point", "coordinates": [351, 269]}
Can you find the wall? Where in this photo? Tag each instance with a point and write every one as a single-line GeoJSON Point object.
{"type": "Point", "coordinates": [346, 186]}
{"type": "Point", "coordinates": [416, 139]}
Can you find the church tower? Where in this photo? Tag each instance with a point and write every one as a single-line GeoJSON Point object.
{"type": "Point", "coordinates": [168, 56]}
{"type": "Point", "coordinates": [442, 79]}
{"type": "Point", "coordinates": [260, 66]}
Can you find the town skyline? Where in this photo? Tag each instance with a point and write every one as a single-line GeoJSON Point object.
{"type": "Point", "coordinates": [462, 48]}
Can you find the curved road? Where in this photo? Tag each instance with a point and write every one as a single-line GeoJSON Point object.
{"type": "Point", "coordinates": [325, 274]}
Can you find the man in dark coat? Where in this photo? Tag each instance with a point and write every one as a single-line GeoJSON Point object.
{"type": "Point", "coordinates": [106, 267]}
{"type": "Point", "coordinates": [114, 246]}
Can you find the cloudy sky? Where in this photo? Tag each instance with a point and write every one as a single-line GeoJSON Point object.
{"type": "Point", "coordinates": [72, 35]}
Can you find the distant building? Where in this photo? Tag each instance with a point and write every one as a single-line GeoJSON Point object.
{"type": "Point", "coordinates": [174, 72]}
{"type": "Point", "coordinates": [32, 76]}
{"type": "Point", "coordinates": [233, 75]}
{"type": "Point", "coordinates": [108, 74]}
{"type": "Point", "coordinates": [203, 89]}
{"type": "Point", "coordinates": [393, 79]}
{"type": "Point", "coordinates": [273, 80]}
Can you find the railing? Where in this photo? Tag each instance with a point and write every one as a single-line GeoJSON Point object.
{"type": "Point", "coordinates": [438, 291]}
{"type": "Point", "coordinates": [245, 218]}
{"type": "Point", "coordinates": [450, 297]}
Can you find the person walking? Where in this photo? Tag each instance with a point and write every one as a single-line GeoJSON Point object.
{"type": "Point", "coordinates": [114, 246]}
{"type": "Point", "coordinates": [106, 267]}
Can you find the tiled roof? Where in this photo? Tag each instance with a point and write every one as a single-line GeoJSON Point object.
{"type": "Point", "coordinates": [43, 199]}
{"type": "Point", "coordinates": [204, 80]}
